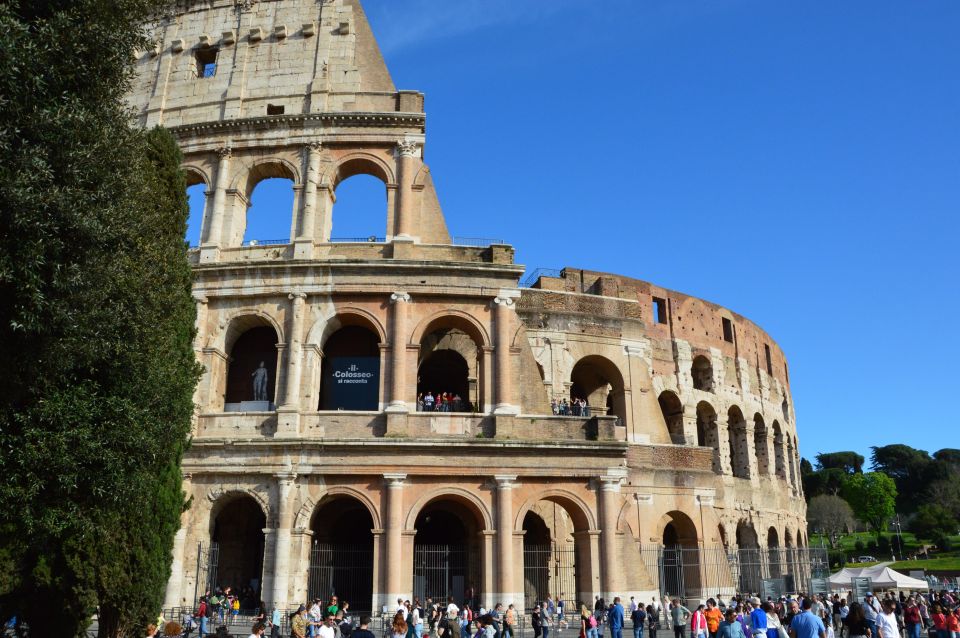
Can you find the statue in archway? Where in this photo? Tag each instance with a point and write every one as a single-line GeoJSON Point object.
{"type": "Point", "coordinates": [260, 378]}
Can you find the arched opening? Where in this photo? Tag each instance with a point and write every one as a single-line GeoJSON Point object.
{"type": "Point", "coordinates": [760, 445]}
{"type": "Point", "coordinates": [751, 567]}
{"type": "Point", "coordinates": [773, 553]}
{"type": "Point", "coordinates": [785, 408]}
{"type": "Point", "coordinates": [450, 364]}
{"type": "Point", "coordinates": [708, 433]}
{"type": "Point", "coordinates": [702, 373]}
{"type": "Point", "coordinates": [252, 372]}
{"type": "Point", "coordinates": [350, 372]}
{"type": "Point", "coordinates": [791, 559]}
{"type": "Point", "coordinates": [598, 381]}
{"type": "Point", "coordinates": [341, 558]}
{"type": "Point", "coordinates": [723, 536]}
{"type": "Point", "coordinates": [197, 202]}
{"type": "Point", "coordinates": [779, 456]}
{"type": "Point", "coordinates": [549, 554]}
{"type": "Point", "coordinates": [447, 552]}
{"type": "Point", "coordinates": [791, 464]}
{"type": "Point", "coordinates": [236, 556]}
{"type": "Point", "coordinates": [680, 562]}
{"type": "Point", "coordinates": [360, 212]}
{"type": "Point", "coordinates": [739, 450]}
{"type": "Point", "coordinates": [445, 376]}
{"type": "Point", "coordinates": [270, 203]}
{"type": "Point", "coordinates": [672, 411]}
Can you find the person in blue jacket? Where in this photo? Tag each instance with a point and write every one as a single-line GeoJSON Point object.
{"type": "Point", "coordinates": [615, 618]}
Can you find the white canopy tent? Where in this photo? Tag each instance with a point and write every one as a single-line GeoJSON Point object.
{"type": "Point", "coordinates": [881, 577]}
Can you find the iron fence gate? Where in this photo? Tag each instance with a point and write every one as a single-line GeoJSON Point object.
{"type": "Point", "coordinates": [700, 572]}
{"type": "Point", "coordinates": [548, 570]}
{"type": "Point", "coordinates": [342, 570]}
{"type": "Point", "coordinates": [206, 576]}
{"type": "Point", "coordinates": [440, 571]}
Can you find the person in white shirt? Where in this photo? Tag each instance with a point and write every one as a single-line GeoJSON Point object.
{"type": "Point", "coordinates": [258, 630]}
{"type": "Point", "coordinates": [633, 605]}
{"type": "Point", "coordinates": [400, 608]}
{"type": "Point", "coordinates": [327, 628]}
{"type": "Point", "coordinates": [887, 621]}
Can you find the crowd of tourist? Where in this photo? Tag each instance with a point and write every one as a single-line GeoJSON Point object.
{"type": "Point", "coordinates": [441, 402]}
{"type": "Point", "coordinates": [936, 614]}
{"type": "Point", "coordinates": [574, 407]}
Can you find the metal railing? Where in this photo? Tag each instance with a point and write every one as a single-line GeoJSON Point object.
{"type": "Point", "coordinates": [478, 242]}
{"type": "Point", "coordinates": [532, 278]}
{"type": "Point", "coordinates": [266, 242]}
{"type": "Point", "coordinates": [369, 239]}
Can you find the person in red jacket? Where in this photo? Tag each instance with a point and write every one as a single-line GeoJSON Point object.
{"type": "Point", "coordinates": [911, 618]}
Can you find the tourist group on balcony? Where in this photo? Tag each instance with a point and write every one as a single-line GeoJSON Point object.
{"type": "Point", "coordinates": [441, 402]}
{"type": "Point", "coordinates": [573, 407]}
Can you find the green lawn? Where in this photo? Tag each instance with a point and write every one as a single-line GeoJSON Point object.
{"type": "Point", "coordinates": [951, 562]}
{"type": "Point", "coordinates": [847, 543]}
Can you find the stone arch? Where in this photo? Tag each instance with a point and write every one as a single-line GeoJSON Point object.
{"type": "Point", "coordinates": [701, 370]}
{"type": "Point", "coordinates": [196, 175]}
{"type": "Point", "coordinates": [773, 552]}
{"type": "Point", "coordinates": [423, 175]}
{"type": "Point", "coordinates": [359, 163]}
{"type": "Point", "coordinates": [322, 329]}
{"type": "Point", "coordinates": [708, 433]}
{"type": "Point", "coordinates": [672, 409]}
{"type": "Point", "coordinates": [739, 445]}
{"type": "Point", "coordinates": [760, 444]}
{"type": "Point", "coordinates": [309, 506]}
{"type": "Point", "coordinates": [600, 381]}
{"type": "Point", "coordinates": [686, 528]}
{"type": "Point", "coordinates": [458, 494]}
{"type": "Point", "coordinates": [244, 181]}
{"type": "Point", "coordinates": [222, 496]}
{"type": "Point", "coordinates": [250, 342]}
{"type": "Point", "coordinates": [680, 557]}
{"type": "Point", "coordinates": [451, 319]}
{"type": "Point", "coordinates": [779, 453]}
{"type": "Point", "coordinates": [239, 322]}
{"type": "Point", "coordinates": [580, 512]}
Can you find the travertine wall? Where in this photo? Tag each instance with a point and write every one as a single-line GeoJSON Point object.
{"type": "Point", "coordinates": [668, 392]}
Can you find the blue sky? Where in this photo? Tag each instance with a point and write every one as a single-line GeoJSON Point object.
{"type": "Point", "coordinates": [796, 162]}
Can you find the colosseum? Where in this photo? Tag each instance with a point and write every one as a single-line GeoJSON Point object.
{"type": "Point", "coordinates": [316, 465]}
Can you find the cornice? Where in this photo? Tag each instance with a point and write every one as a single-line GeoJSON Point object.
{"type": "Point", "coordinates": [360, 119]}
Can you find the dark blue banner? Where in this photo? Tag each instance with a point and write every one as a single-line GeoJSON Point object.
{"type": "Point", "coordinates": [351, 383]}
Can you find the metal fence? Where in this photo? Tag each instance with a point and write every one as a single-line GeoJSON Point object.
{"type": "Point", "coordinates": [208, 557]}
{"type": "Point", "coordinates": [345, 571]}
{"type": "Point", "coordinates": [700, 572]}
{"type": "Point", "coordinates": [548, 570]}
{"type": "Point", "coordinates": [441, 571]}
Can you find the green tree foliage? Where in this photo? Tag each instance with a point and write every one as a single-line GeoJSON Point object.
{"type": "Point", "coordinates": [848, 462]}
{"type": "Point", "coordinates": [872, 497]}
{"type": "Point", "coordinates": [933, 521]}
{"type": "Point", "coordinates": [96, 323]}
{"type": "Point", "coordinates": [913, 471]}
{"type": "Point", "coordinates": [830, 515]}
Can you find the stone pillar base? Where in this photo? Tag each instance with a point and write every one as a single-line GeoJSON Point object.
{"type": "Point", "coordinates": [506, 409]}
{"type": "Point", "coordinates": [288, 421]}
{"type": "Point", "coordinates": [209, 254]}
{"type": "Point", "coordinates": [303, 249]}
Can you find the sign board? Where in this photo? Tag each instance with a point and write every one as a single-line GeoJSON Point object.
{"type": "Point", "coordinates": [772, 588]}
{"type": "Point", "coordinates": [862, 587]}
{"type": "Point", "coordinates": [351, 383]}
{"type": "Point", "coordinates": [918, 573]}
{"type": "Point", "coordinates": [819, 586]}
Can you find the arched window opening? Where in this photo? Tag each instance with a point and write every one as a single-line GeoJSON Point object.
{"type": "Point", "coordinates": [672, 411]}
{"type": "Point", "coordinates": [723, 536]}
{"type": "Point", "coordinates": [360, 210]}
{"type": "Point", "coordinates": [252, 371]}
{"type": "Point", "coordinates": [779, 454]}
{"type": "Point", "coordinates": [598, 381]}
{"type": "Point", "coordinates": [760, 445]}
{"type": "Point", "coordinates": [680, 562]}
{"type": "Point", "coordinates": [708, 433]}
{"type": "Point", "coordinates": [449, 367]}
{"type": "Point", "coordinates": [447, 552]}
{"type": "Point", "coordinates": [341, 558]}
{"type": "Point", "coordinates": [751, 565]}
{"type": "Point", "coordinates": [269, 211]}
{"type": "Point", "coordinates": [785, 408]}
{"type": "Point", "coordinates": [773, 553]}
{"type": "Point", "coordinates": [702, 372]}
{"type": "Point", "coordinates": [237, 550]}
{"type": "Point", "coordinates": [739, 446]}
{"type": "Point", "coordinates": [550, 553]}
{"type": "Point", "coordinates": [197, 201]}
{"type": "Point", "coordinates": [350, 372]}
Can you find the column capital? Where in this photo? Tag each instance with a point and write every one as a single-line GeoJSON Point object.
{"type": "Point", "coordinates": [293, 296]}
{"type": "Point", "coordinates": [314, 147]}
{"type": "Point", "coordinates": [506, 481]}
{"type": "Point", "coordinates": [400, 297]}
{"type": "Point", "coordinates": [395, 480]}
{"type": "Point", "coordinates": [198, 298]}
{"type": "Point", "coordinates": [409, 148]}
{"type": "Point", "coordinates": [610, 483]}
{"type": "Point", "coordinates": [225, 152]}
{"type": "Point", "coordinates": [285, 477]}
{"type": "Point", "coordinates": [506, 302]}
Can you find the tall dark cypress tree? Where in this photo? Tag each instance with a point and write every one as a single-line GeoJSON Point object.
{"type": "Point", "coordinates": [96, 323]}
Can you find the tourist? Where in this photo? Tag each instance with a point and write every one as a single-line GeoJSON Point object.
{"type": "Point", "coordinates": [730, 627]}
{"type": "Point", "coordinates": [428, 402]}
{"type": "Point", "coordinates": [561, 609]}
{"type": "Point", "coordinates": [276, 620]}
{"type": "Point", "coordinates": [679, 615]}
{"type": "Point", "coordinates": [201, 616]}
{"type": "Point", "coordinates": [299, 623]}
{"type": "Point", "coordinates": [773, 620]}
{"type": "Point", "coordinates": [151, 630]}
{"type": "Point", "coordinates": [887, 620]}
{"type": "Point", "coordinates": [714, 617]}
{"type": "Point", "coordinates": [546, 621]}
{"type": "Point", "coordinates": [257, 630]}
{"type": "Point", "coordinates": [844, 613]}
{"type": "Point", "coordinates": [638, 616]}
{"type": "Point", "coordinates": [399, 626]}
{"type": "Point", "coordinates": [363, 631]}
{"type": "Point", "coordinates": [653, 619]}
{"type": "Point", "coordinates": [588, 623]}
{"type": "Point", "coordinates": [495, 619]}
{"type": "Point", "coordinates": [806, 625]}
{"type": "Point", "coordinates": [536, 621]}
{"type": "Point", "coordinates": [615, 618]}
{"type": "Point", "coordinates": [911, 618]}
{"type": "Point", "coordinates": [698, 623]}
{"type": "Point", "coordinates": [870, 611]}
{"type": "Point", "coordinates": [758, 619]}
{"type": "Point", "coordinates": [856, 624]}
{"type": "Point", "coordinates": [510, 622]}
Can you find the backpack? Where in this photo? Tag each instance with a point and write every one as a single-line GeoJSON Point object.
{"type": "Point", "coordinates": [638, 616]}
{"type": "Point", "coordinates": [593, 622]}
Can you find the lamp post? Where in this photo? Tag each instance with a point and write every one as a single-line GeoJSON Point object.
{"type": "Point", "coordinates": [899, 536]}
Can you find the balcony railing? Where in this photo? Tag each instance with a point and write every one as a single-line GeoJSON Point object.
{"type": "Point", "coordinates": [532, 278]}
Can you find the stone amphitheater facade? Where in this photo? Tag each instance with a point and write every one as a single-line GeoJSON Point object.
{"type": "Point", "coordinates": [691, 441]}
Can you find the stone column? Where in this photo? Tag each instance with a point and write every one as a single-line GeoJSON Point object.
{"type": "Point", "coordinates": [505, 581]}
{"type": "Point", "coordinates": [215, 229]}
{"type": "Point", "coordinates": [393, 531]}
{"type": "Point", "coordinates": [503, 322]}
{"type": "Point", "coordinates": [288, 416]}
{"type": "Point", "coordinates": [281, 552]}
{"type": "Point", "coordinates": [398, 359]}
{"type": "Point", "coordinates": [690, 429]}
{"type": "Point", "coordinates": [610, 580]}
{"type": "Point", "coordinates": [308, 222]}
{"type": "Point", "coordinates": [408, 155]}
{"type": "Point", "coordinates": [175, 584]}
{"type": "Point", "coordinates": [750, 453]}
